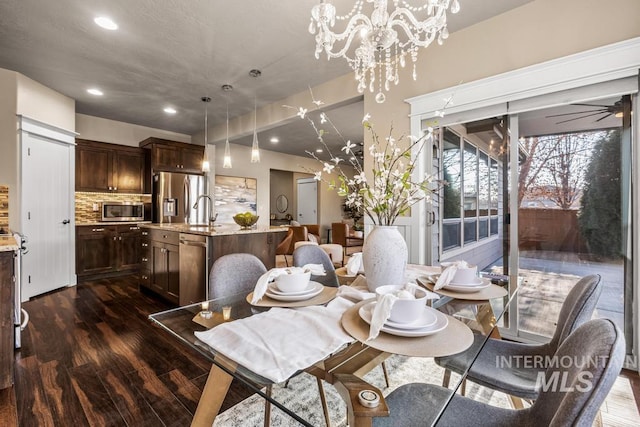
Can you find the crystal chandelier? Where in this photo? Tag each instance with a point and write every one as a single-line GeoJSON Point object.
{"type": "Point", "coordinates": [381, 41]}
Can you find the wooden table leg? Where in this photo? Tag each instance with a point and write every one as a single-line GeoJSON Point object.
{"type": "Point", "coordinates": [348, 386]}
{"type": "Point", "coordinates": [212, 397]}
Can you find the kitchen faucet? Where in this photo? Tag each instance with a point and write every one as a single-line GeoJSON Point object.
{"type": "Point", "coordinates": [212, 217]}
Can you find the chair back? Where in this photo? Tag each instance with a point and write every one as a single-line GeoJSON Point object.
{"type": "Point", "coordinates": [295, 234]}
{"type": "Point", "coordinates": [339, 233]}
{"type": "Point", "coordinates": [313, 254]}
{"type": "Point", "coordinates": [580, 375]}
{"type": "Point", "coordinates": [234, 273]}
{"type": "Point", "coordinates": [577, 308]}
{"type": "Point", "coordinates": [313, 230]}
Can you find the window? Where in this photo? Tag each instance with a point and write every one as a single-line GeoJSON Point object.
{"type": "Point", "coordinates": [470, 195]}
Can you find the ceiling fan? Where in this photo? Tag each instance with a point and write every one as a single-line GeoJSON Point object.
{"type": "Point", "coordinates": [598, 110]}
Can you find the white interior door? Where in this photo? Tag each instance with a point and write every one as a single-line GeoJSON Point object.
{"type": "Point", "coordinates": [46, 214]}
{"type": "Point", "coordinates": [307, 201]}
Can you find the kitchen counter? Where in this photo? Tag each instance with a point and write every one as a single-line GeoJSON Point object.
{"type": "Point", "coordinates": [217, 230]}
{"type": "Point", "coordinates": [97, 223]}
{"type": "Point", "coordinates": [8, 244]}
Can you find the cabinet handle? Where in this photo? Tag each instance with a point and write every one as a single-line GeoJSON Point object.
{"type": "Point", "coordinates": [145, 259]}
{"type": "Point", "coordinates": [115, 238]}
{"type": "Point", "coordinates": [164, 236]}
{"type": "Point", "coordinates": [134, 228]}
{"type": "Point", "coordinates": [95, 230]}
{"type": "Point", "coordinates": [120, 238]}
{"type": "Point", "coordinates": [145, 277]}
{"type": "Point", "coordinates": [144, 233]}
{"type": "Point", "coordinates": [144, 245]}
{"type": "Point", "coordinates": [115, 188]}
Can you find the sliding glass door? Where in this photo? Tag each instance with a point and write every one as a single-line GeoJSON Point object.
{"type": "Point", "coordinates": [539, 199]}
{"type": "Point", "coordinates": [573, 199]}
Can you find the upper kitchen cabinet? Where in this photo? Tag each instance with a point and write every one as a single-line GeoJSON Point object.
{"type": "Point", "coordinates": [107, 167]}
{"type": "Point", "coordinates": [173, 156]}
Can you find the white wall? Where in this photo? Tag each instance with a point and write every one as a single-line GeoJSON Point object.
{"type": "Point", "coordinates": [8, 138]}
{"type": "Point", "coordinates": [105, 130]}
{"type": "Point", "coordinates": [38, 102]}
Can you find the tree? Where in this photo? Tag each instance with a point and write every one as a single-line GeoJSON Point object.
{"type": "Point", "coordinates": [600, 218]}
{"type": "Point", "coordinates": [554, 167]}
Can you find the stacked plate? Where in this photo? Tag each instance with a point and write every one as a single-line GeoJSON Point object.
{"type": "Point", "coordinates": [312, 289]}
{"type": "Point", "coordinates": [474, 286]}
{"type": "Point", "coordinates": [429, 322]}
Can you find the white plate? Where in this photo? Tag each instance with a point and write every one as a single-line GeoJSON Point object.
{"type": "Point", "coordinates": [480, 283]}
{"type": "Point", "coordinates": [468, 289]}
{"type": "Point", "coordinates": [427, 319]}
{"type": "Point", "coordinates": [311, 286]}
{"type": "Point", "coordinates": [290, 298]}
{"type": "Point", "coordinates": [365, 313]}
{"type": "Point", "coordinates": [477, 282]}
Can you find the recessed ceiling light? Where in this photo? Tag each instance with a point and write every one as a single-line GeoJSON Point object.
{"type": "Point", "coordinates": [170, 110]}
{"type": "Point", "coordinates": [106, 23]}
{"type": "Point", "coordinates": [274, 140]}
{"type": "Point", "coordinates": [319, 150]}
{"type": "Point", "coordinates": [94, 91]}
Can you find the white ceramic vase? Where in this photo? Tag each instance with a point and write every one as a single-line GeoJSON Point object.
{"type": "Point", "coordinates": [384, 256]}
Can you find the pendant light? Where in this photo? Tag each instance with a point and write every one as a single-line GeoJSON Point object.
{"type": "Point", "coordinates": [227, 150]}
{"type": "Point", "coordinates": [205, 163]}
{"type": "Point", "coordinates": [255, 150]}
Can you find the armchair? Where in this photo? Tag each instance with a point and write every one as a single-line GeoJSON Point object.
{"type": "Point", "coordinates": [287, 246]}
{"type": "Point", "coordinates": [340, 235]}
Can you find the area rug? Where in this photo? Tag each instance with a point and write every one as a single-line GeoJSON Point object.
{"type": "Point", "coordinates": [302, 395]}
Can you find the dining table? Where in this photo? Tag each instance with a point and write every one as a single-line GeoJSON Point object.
{"type": "Point", "coordinates": [468, 322]}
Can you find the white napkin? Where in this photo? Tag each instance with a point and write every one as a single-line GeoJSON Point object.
{"type": "Point", "coordinates": [263, 281]}
{"type": "Point", "coordinates": [354, 265]}
{"type": "Point", "coordinates": [448, 273]}
{"type": "Point", "coordinates": [278, 343]}
{"type": "Point", "coordinates": [384, 304]}
{"type": "Point", "coordinates": [353, 294]}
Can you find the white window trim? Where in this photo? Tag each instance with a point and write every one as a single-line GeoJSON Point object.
{"type": "Point", "coordinates": [615, 61]}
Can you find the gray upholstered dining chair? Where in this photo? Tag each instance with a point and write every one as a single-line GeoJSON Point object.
{"type": "Point", "coordinates": [313, 254]}
{"type": "Point", "coordinates": [517, 381]}
{"type": "Point", "coordinates": [234, 273]}
{"type": "Point", "coordinates": [596, 351]}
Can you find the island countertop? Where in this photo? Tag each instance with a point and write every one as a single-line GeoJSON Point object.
{"type": "Point", "coordinates": [217, 230]}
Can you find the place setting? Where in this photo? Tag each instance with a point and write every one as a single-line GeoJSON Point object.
{"type": "Point", "coordinates": [461, 281]}
{"type": "Point", "coordinates": [398, 320]}
{"type": "Point", "coordinates": [291, 287]}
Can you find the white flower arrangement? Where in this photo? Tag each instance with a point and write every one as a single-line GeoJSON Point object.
{"type": "Point", "coordinates": [394, 187]}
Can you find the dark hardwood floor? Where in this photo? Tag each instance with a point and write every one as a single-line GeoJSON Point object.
{"type": "Point", "coordinates": [90, 357]}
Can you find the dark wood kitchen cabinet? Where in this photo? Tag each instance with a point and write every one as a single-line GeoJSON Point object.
{"type": "Point", "coordinates": [107, 250]}
{"type": "Point", "coordinates": [7, 289]}
{"type": "Point", "coordinates": [105, 167]}
{"type": "Point", "coordinates": [173, 156]}
{"type": "Point", "coordinates": [161, 263]}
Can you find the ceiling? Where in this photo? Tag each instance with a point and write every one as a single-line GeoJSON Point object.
{"type": "Point", "coordinates": [173, 52]}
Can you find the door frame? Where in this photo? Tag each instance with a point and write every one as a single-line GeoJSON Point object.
{"type": "Point", "coordinates": [517, 91]}
{"type": "Point", "coordinates": [26, 126]}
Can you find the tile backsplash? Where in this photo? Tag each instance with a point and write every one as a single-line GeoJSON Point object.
{"type": "Point", "coordinates": [4, 208]}
{"type": "Point", "coordinates": [86, 200]}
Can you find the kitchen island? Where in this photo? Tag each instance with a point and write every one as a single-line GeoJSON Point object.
{"type": "Point", "coordinates": [177, 258]}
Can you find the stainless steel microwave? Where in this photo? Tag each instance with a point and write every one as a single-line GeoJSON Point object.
{"type": "Point", "coordinates": [122, 211]}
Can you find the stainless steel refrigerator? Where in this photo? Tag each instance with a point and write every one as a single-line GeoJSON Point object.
{"type": "Point", "coordinates": [174, 195]}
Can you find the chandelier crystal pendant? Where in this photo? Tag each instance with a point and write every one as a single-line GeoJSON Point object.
{"type": "Point", "coordinates": [375, 45]}
{"type": "Point", "coordinates": [227, 151]}
{"type": "Point", "coordinates": [255, 150]}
